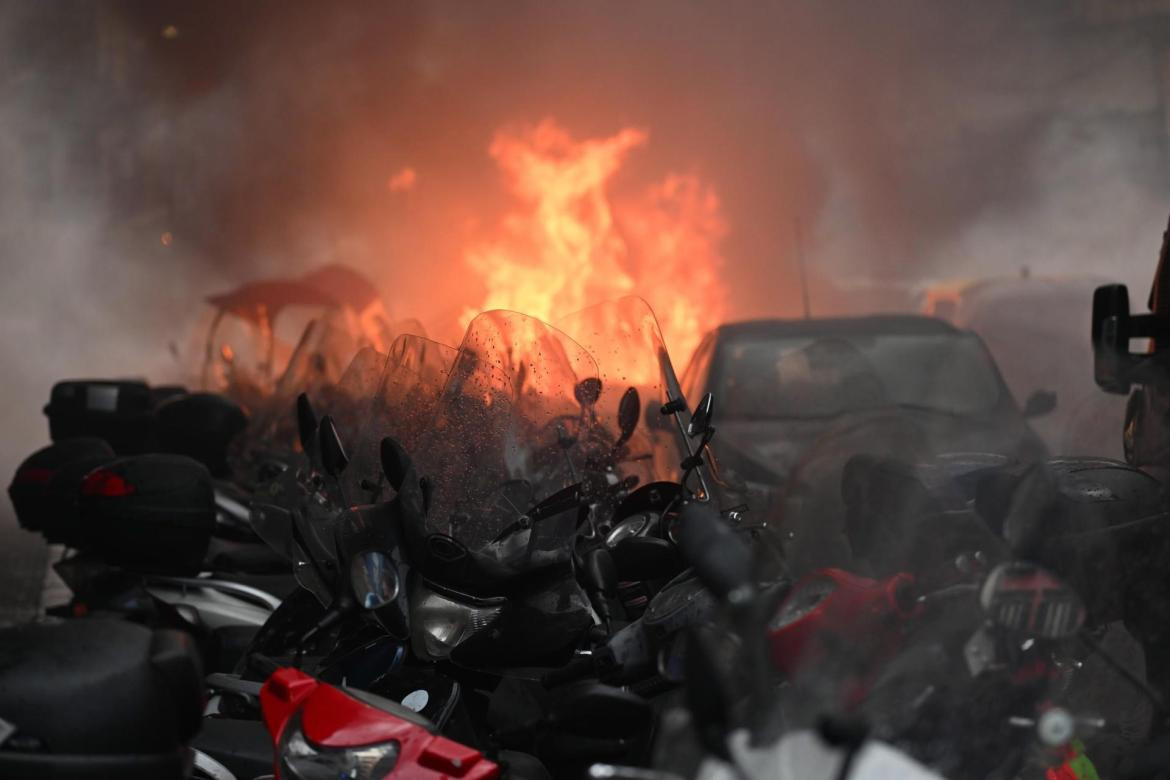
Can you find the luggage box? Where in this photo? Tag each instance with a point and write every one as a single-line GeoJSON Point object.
{"type": "Point", "coordinates": [200, 426]}
{"type": "Point", "coordinates": [44, 489]}
{"type": "Point", "coordinates": [119, 411]}
{"type": "Point", "coordinates": [149, 513]}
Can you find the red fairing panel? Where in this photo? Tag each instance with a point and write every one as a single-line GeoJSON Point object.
{"type": "Point", "coordinates": [331, 719]}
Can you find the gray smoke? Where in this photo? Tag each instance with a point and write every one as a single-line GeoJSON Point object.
{"type": "Point", "coordinates": [910, 140]}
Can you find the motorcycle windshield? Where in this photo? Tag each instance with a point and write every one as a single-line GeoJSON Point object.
{"type": "Point", "coordinates": [505, 436]}
{"type": "Point", "coordinates": [316, 366]}
{"type": "Point", "coordinates": [624, 339]}
{"type": "Point", "coordinates": [351, 398]}
{"type": "Point", "coordinates": [394, 397]}
{"type": "Point", "coordinates": [320, 358]}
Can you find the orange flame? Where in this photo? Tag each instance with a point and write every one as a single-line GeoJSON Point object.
{"type": "Point", "coordinates": [571, 245]}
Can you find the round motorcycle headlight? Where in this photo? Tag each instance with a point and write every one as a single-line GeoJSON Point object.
{"type": "Point", "coordinates": [300, 759]}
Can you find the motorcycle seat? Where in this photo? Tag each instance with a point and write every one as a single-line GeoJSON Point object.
{"type": "Point", "coordinates": [97, 698]}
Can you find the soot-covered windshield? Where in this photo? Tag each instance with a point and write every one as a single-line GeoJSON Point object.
{"type": "Point", "coordinates": [810, 377]}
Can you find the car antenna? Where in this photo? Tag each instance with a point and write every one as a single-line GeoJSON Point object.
{"type": "Point", "coordinates": [798, 239]}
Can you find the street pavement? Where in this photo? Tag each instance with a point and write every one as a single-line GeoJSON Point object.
{"type": "Point", "coordinates": [23, 557]}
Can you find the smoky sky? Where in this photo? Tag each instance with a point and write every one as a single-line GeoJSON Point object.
{"type": "Point", "coordinates": [888, 130]}
{"type": "Point", "coordinates": [907, 141]}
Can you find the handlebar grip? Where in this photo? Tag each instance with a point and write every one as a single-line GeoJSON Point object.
{"type": "Point", "coordinates": [720, 557]}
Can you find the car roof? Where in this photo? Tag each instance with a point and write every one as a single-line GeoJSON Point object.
{"type": "Point", "coordinates": [832, 326]}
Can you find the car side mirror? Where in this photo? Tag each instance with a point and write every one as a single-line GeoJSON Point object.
{"type": "Point", "coordinates": [1040, 403]}
{"type": "Point", "coordinates": [1115, 368]}
{"type": "Point", "coordinates": [701, 418]}
{"type": "Point", "coordinates": [333, 457]}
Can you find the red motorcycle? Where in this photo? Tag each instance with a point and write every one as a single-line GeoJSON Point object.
{"type": "Point", "coordinates": [831, 610]}
{"type": "Point", "coordinates": [320, 731]}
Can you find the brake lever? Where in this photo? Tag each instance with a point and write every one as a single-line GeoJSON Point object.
{"type": "Point", "coordinates": [561, 501]}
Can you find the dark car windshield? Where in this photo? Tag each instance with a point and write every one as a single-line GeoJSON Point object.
{"type": "Point", "coordinates": [809, 377]}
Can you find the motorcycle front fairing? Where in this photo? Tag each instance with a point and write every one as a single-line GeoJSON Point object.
{"type": "Point", "coordinates": [506, 436]}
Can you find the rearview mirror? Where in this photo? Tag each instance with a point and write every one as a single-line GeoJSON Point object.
{"type": "Point", "coordinates": [396, 462]}
{"type": "Point", "coordinates": [1040, 403]}
{"type": "Point", "coordinates": [629, 410]}
{"type": "Point", "coordinates": [306, 423]}
{"type": "Point", "coordinates": [587, 391]}
{"type": "Point", "coordinates": [1029, 601]}
{"type": "Point", "coordinates": [333, 457]}
{"type": "Point", "coordinates": [701, 418]}
{"type": "Point", "coordinates": [1115, 368]}
{"type": "Point", "coordinates": [374, 579]}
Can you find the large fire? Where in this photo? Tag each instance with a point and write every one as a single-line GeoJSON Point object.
{"type": "Point", "coordinates": [570, 244]}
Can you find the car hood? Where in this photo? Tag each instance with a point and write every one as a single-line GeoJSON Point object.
{"type": "Point", "coordinates": [768, 450]}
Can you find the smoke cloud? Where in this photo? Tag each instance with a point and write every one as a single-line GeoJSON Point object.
{"type": "Point", "coordinates": [907, 141]}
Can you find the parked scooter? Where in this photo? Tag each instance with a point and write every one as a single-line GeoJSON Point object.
{"type": "Point", "coordinates": [144, 531]}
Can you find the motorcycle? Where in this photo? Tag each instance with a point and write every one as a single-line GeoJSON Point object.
{"type": "Point", "coordinates": [146, 531]}
{"type": "Point", "coordinates": [543, 421]}
{"type": "Point", "coordinates": [975, 677]}
{"type": "Point", "coordinates": [318, 730]}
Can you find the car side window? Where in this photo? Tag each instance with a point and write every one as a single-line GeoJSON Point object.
{"type": "Point", "coordinates": [696, 373]}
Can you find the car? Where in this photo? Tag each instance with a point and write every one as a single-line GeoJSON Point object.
{"type": "Point", "coordinates": [796, 399]}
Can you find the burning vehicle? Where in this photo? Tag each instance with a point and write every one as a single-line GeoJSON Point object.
{"type": "Point", "coordinates": [331, 312]}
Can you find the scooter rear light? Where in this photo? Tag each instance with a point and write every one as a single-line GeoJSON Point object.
{"type": "Point", "coordinates": [105, 484]}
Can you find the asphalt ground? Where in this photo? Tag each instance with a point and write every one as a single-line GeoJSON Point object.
{"type": "Point", "coordinates": [23, 558]}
